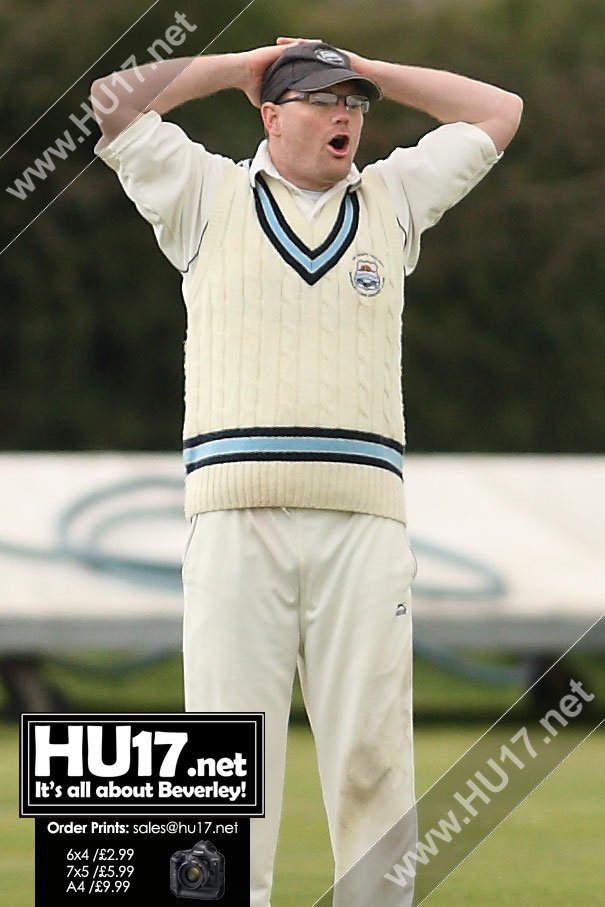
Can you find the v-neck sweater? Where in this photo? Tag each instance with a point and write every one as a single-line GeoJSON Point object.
{"type": "Point", "coordinates": [293, 353]}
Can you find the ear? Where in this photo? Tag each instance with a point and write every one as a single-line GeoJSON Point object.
{"type": "Point", "coordinates": [271, 116]}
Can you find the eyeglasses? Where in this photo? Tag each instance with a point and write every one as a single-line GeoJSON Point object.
{"type": "Point", "coordinates": [329, 99]}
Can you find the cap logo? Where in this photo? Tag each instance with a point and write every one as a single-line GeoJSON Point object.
{"type": "Point", "coordinates": [331, 57]}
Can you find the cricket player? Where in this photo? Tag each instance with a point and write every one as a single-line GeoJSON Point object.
{"type": "Point", "coordinates": [293, 267]}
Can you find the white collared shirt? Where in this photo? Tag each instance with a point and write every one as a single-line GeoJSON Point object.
{"type": "Point", "coordinates": [310, 201]}
{"type": "Point", "coordinates": [173, 180]}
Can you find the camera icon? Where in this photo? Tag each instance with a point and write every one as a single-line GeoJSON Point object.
{"type": "Point", "coordinates": [198, 873]}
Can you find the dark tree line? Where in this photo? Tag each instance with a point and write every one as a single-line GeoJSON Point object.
{"type": "Point", "coordinates": [504, 328]}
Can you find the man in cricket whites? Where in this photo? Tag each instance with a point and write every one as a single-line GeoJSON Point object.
{"type": "Point", "coordinates": [293, 267]}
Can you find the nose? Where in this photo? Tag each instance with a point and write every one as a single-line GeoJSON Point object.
{"type": "Point", "coordinates": [341, 111]}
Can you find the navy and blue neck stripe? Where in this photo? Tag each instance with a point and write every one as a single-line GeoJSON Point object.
{"type": "Point", "coordinates": [293, 444]}
{"type": "Point", "coordinates": [310, 264]}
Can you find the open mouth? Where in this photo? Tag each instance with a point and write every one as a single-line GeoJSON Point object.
{"type": "Point", "coordinates": [339, 144]}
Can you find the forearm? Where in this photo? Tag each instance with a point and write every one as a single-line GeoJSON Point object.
{"type": "Point", "coordinates": [120, 97]}
{"type": "Point", "coordinates": [448, 97]}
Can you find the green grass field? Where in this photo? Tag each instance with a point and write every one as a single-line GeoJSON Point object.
{"type": "Point", "coordinates": [548, 853]}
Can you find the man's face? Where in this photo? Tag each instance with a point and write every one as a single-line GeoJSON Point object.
{"type": "Point", "coordinates": [312, 146]}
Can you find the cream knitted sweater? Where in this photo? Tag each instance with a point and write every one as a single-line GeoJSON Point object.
{"type": "Point", "coordinates": [293, 353]}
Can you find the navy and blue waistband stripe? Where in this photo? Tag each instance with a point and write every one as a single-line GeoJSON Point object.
{"type": "Point", "coordinates": [310, 264]}
{"type": "Point", "coordinates": [294, 431]}
{"type": "Point", "coordinates": [294, 445]}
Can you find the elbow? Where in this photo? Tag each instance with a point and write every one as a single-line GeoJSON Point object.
{"type": "Point", "coordinates": [512, 111]}
{"type": "Point", "coordinates": [105, 97]}
{"type": "Point", "coordinates": [516, 109]}
{"type": "Point", "coordinates": [110, 110]}
{"type": "Point", "coordinates": [507, 121]}
{"type": "Point", "coordinates": [98, 96]}
{"type": "Point", "coordinates": [95, 89]}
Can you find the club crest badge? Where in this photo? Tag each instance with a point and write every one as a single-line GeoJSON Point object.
{"type": "Point", "coordinates": [366, 276]}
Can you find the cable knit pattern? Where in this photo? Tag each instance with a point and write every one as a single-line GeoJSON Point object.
{"type": "Point", "coordinates": [329, 353]}
{"type": "Point", "coordinates": [364, 361]}
{"type": "Point", "coordinates": [391, 348]}
{"type": "Point", "coordinates": [267, 350]}
{"type": "Point", "coordinates": [288, 347]}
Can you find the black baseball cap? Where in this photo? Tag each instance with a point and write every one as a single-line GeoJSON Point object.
{"type": "Point", "coordinates": [312, 67]}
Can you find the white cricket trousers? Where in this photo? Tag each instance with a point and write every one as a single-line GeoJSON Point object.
{"type": "Point", "coordinates": [267, 589]}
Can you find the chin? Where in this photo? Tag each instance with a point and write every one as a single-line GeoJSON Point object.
{"type": "Point", "coordinates": [341, 166]}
